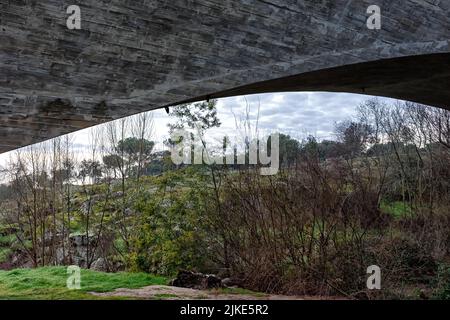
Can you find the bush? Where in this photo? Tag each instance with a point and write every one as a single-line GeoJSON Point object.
{"type": "Point", "coordinates": [171, 232]}
{"type": "Point", "coordinates": [442, 291]}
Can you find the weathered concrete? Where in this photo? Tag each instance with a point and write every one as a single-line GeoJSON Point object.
{"type": "Point", "coordinates": [137, 55]}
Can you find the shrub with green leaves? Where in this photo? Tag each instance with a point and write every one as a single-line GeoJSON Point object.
{"type": "Point", "coordinates": [171, 232]}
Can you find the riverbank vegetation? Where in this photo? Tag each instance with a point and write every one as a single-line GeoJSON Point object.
{"type": "Point", "coordinates": [378, 194]}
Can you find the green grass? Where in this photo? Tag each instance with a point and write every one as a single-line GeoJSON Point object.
{"type": "Point", "coordinates": [50, 283]}
{"type": "Point", "coordinates": [397, 209]}
{"type": "Point", "coordinates": [165, 295]}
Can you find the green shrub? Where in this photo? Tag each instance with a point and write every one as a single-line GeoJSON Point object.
{"type": "Point", "coordinates": [171, 233]}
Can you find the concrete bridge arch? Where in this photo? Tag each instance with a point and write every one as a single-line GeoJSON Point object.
{"type": "Point", "coordinates": [133, 56]}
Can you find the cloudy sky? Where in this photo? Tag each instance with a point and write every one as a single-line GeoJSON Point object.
{"type": "Point", "coordinates": [298, 114]}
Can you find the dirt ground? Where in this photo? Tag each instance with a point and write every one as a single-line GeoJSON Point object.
{"type": "Point", "coordinates": [175, 293]}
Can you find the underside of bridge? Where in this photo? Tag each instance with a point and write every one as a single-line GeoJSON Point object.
{"type": "Point", "coordinates": [423, 79]}
{"type": "Point", "coordinates": [134, 56]}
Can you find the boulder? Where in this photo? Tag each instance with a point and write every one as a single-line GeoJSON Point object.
{"type": "Point", "coordinates": [100, 265]}
{"type": "Point", "coordinates": [231, 282]}
{"type": "Point", "coordinates": [199, 281]}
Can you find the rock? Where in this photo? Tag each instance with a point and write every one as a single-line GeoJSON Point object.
{"type": "Point", "coordinates": [100, 265]}
{"type": "Point", "coordinates": [79, 249]}
{"type": "Point", "coordinates": [85, 207]}
{"type": "Point", "coordinates": [81, 240]}
{"type": "Point", "coordinates": [118, 194]}
{"type": "Point", "coordinates": [199, 281]}
{"type": "Point", "coordinates": [231, 282]}
{"type": "Point", "coordinates": [60, 255]}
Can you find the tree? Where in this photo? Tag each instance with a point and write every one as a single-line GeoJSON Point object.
{"type": "Point", "coordinates": [112, 162]}
{"type": "Point", "coordinates": [328, 149]}
{"type": "Point", "coordinates": [354, 137]}
{"type": "Point", "coordinates": [201, 116]}
{"type": "Point", "coordinates": [143, 130]}
{"type": "Point", "coordinates": [136, 149]}
{"type": "Point", "coordinates": [289, 150]}
{"type": "Point", "coordinates": [90, 169]}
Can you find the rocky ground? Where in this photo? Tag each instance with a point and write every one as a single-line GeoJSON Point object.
{"type": "Point", "coordinates": [176, 293]}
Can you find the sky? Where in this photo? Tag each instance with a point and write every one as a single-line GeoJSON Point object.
{"type": "Point", "coordinates": [298, 114]}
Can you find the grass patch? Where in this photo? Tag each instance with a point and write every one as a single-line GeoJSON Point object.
{"type": "Point", "coordinates": [165, 296]}
{"type": "Point", "coordinates": [50, 283]}
{"type": "Point", "coordinates": [397, 209]}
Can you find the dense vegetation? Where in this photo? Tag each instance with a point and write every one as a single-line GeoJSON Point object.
{"type": "Point", "coordinates": [378, 195]}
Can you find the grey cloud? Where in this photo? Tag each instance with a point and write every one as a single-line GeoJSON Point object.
{"type": "Point", "coordinates": [300, 112]}
{"type": "Point", "coordinates": [294, 113]}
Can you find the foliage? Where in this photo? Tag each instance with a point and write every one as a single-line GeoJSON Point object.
{"type": "Point", "coordinates": [5, 254]}
{"type": "Point", "coordinates": [201, 116]}
{"type": "Point", "coordinates": [354, 136]}
{"type": "Point", "coordinates": [397, 209]}
{"type": "Point", "coordinates": [90, 169]}
{"type": "Point", "coordinates": [112, 161]}
{"type": "Point", "coordinates": [289, 150]}
{"type": "Point", "coordinates": [171, 233]}
{"type": "Point", "coordinates": [134, 148]}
